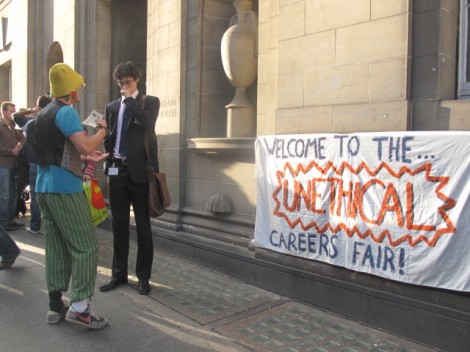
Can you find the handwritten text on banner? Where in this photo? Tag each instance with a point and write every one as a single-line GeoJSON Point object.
{"type": "Point", "coordinates": [394, 204]}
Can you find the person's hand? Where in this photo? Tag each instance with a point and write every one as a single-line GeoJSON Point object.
{"type": "Point", "coordinates": [16, 151]}
{"type": "Point", "coordinates": [86, 177]}
{"type": "Point", "coordinates": [126, 92]}
{"type": "Point", "coordinates": [101, 124]}
{"type": "Point", "coordinates": [96, 156]}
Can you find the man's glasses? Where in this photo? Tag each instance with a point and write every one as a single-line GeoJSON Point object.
{"type": "Point", "coordinates": [125, 83]}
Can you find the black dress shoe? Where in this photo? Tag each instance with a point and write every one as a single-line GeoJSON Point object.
{"type": "Point", "coordinates": [144, 287]}
{"type": "Point", "coordinates": [7, 265]}
{"type": "Point", "coordinates": [10, 228]}
{"type": "Point", "coordinates": [113, 283]}
{"type": "Point", "coordinates": [14, 223]}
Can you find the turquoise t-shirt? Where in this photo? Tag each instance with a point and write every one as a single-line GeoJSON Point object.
{"type": "Point", "coordinates": [55, 179]}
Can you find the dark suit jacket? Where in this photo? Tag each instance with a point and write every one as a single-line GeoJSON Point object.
{"type": "Point", "coordinates": [142, 118]}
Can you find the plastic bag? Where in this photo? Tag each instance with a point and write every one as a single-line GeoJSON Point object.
{"type": "Point", "coordinates": [99, 213]}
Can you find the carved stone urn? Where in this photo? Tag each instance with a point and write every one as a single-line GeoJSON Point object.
{"type": "Point", "coordinates": [240, 62]}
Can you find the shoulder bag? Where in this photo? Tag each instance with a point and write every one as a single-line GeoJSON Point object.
{"type": "Point", "coordinates": [158, 193]}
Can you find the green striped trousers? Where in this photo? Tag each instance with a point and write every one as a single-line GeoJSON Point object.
{"type": "Point", "coordinates": [71, 245]}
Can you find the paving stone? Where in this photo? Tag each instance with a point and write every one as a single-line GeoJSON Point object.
{"type": "Point", "coordinates": [257, 319]}
{"type": "Point", "coordinates": [304, 328]}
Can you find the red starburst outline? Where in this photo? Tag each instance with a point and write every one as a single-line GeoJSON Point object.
{"type": "Point", "coordinates": [412, 240]}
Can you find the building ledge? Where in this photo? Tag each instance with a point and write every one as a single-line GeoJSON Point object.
{"type": "Point", "coordinates": [221, 145]}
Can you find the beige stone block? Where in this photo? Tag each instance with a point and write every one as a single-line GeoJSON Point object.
{"type": "Point", "coordinates": [262, 69]}
{"type": "Point", "coordinates": [152, 45]}
{"type": "Point", "coordinates": [391, 116]}
{"type": "Point", "coordinates": [291, 56]}
{"type": "Point", "coordinates": [386, 8]}
{"type": "Point", "coordinates": [274, 32]}
{"type": "Point", "coordinates": [263, 38]}
{"type": "Point", "coordinates": [388, 80]}
{"type": "Point", "coordinates": [372, 41]}
{"type": "Point", "coordinates": [163, 39]}
{"type": "Point", "coordinates": [243, 197]}
{"type": "Point", "coordinates": [266, 125]}
{"type": "Point", "coordinates": [273, 88]}
{"type": "Point", "coordinates": [168, 161]}
{"type": "Point", "coordinates": [304, 120]}
{"type": "Point", "coordinates": [337, 85]}
{"type": "Point", "coordinates": [169, 59]}
{"type": "Point", "coordinates": [309, 52]}
{"type": "Point", "coordinates": [263, 11]}
{"type": "Point", "coordinates": [288, 2]}
{"type": "Point", "coordinates": [202, 167]}
{"type": "Point", "coordinates": [319, 49]}
{"type": "Point", "coordinates": [169, 12]}
{"type": "Point", "coordinates": [174, 86]}
{"type": "Point", "coordinates": [267, 66]}
{"type": "Point", "coordinates": [240, 173]}
{"type": "Point", "coordinates": [323, 15]}
{"type": "Point", "coordinates": [292, 20]}
{"type": "Point", "coordinates": [274, 8]}
{"type": "Point", "coordinates": [291, 90]}
{"type": "Point", "coordinates": [263, 99]}
{"type": "Point", "coordinates": [267, 96]}
{"type": "Point", "coordinates": [159, 83]}
{"type": "Point", "coordinates": [267, 35]}
{"type": "Point", "coordinates": [456, 112]}
{"type": "Point", "coordinates": [174, 34]}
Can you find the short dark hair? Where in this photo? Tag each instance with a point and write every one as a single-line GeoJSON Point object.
{"type": "Point", "coordinates": [43, 100]}
{"type": "Point", "coordinates": [6, 104]}
{"type": "Point", "coordinates": [126, 69]}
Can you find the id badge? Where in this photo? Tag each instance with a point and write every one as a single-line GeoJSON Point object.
{"type": "Point", "coordinates": [113, 171]}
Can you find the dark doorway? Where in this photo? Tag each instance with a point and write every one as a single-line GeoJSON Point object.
{"type": "Point", "coordinates": [129, 38]}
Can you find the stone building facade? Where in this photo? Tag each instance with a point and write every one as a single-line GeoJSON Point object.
{"type": "Point", "coordinates": [322, 66]}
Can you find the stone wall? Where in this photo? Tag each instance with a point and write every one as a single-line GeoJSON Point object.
{"type": "Point", "coordinates": [326, 66]}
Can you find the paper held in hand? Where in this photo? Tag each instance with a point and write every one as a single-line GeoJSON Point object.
{"type": "Point", "coordinates": [92, 118]}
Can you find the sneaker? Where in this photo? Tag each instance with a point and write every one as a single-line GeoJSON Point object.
{"type": "Point", "coordinates": [57, 317]}
{"type": "Point", "coordinates": [32, 231]}
{"type": "Point", "coordinates": [86, 318]}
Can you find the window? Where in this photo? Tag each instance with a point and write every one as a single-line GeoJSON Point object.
{"type": "Point", "coordinates": [464, 50]}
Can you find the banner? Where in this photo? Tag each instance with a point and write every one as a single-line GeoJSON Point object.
{"type": "Point", "coordinates": [395, 205]}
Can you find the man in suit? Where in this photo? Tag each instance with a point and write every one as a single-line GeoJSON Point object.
{"type": "Point", "coordinates": [129, 118]}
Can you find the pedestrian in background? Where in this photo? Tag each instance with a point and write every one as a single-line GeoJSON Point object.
{"type": "Point", "coordinates": [9, 250]}
{"type": "Point", "coordinates": [129, 118]}
{"type": "Point", "coordinates": [23, 119]}
{"type": "Point", "coordinates": [71, 246]}
{"type": "Point", "coordinates": [11, 143]}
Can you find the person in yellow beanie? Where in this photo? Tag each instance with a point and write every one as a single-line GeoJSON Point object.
{"type": "Point", "coordinates": [70, 242]}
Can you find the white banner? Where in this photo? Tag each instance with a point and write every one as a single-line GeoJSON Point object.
{"type": "Point", "coordinates": [395, 205]}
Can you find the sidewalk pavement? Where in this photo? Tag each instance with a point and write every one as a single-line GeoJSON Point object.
{"type": "Point", "coordinates": [190, 308]}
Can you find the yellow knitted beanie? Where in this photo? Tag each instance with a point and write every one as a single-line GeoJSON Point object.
{"type": "Point", "coordinates": [64, 80]}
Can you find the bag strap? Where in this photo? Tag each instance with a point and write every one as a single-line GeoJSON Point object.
{"type": "Point", "coordinates": [147, 138]}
